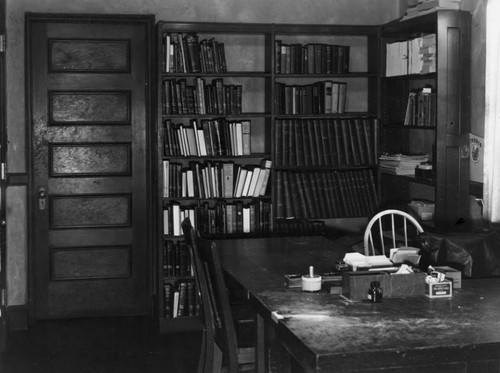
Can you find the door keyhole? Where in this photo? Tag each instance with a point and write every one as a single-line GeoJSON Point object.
{"type": "Point", "coordinates": [42, 198]}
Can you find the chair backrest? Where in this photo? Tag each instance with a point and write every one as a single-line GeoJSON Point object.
{"type": "Point", "coordinates": [394, 225]}
{"type": "Point", "coordinates": [206, 360]}
{"type": "Point", "coordinates": [225, 333]}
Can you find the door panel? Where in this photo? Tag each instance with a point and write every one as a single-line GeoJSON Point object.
{"type": "Point", "coordinates": [89, 117]}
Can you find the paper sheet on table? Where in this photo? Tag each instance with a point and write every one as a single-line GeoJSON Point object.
{"type": "Point", "coordinates": [359, 260]}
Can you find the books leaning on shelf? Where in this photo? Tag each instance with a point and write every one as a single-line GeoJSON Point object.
{"type": "Point", "coordinates": [324, 97]}
{"type": "Point", "coordinates": [325, 194]}
{"type": "Point", "coordinates": [311, 58]}
{"type": "Point", "coordinates": [179, 97]}
{"type": "Point", "coordinates": [185, 53]}
{"type": "Point", "coordinates": [326, 142]}
{"type": "Point", "coordinates": [209, 137]}
{"type": "Point", "coordinates": [414, 56]}
{"type": "Point", "coordinates": [179, 299]}
{"type": "Point", "coordinates": [402, 164]}
{"type": "Point", "coordinates": [215, 179]}
{"type": "Point", "coordinates": [176, 262]}
{"type": "Point", "coordinates": [220, 217]}
{"type": "Point", "coordinates": [421, 108]}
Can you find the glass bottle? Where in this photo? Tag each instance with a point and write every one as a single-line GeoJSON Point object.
{"type": "Point", "coordinates": [375, 293]}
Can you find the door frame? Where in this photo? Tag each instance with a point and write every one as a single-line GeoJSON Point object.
{"type": "Point", "coordinates": [3, 180]}
{"type": "Point", "coordinates": [148, 21]}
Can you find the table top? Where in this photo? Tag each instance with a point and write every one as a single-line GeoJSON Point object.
{"type": "Point", "coordinates": [330, 332]}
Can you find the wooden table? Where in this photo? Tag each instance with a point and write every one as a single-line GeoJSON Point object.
{"type": "Point", "coordinates": [327, 333]}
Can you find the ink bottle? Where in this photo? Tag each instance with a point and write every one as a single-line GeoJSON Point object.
{"type": "Point", "coordinates": [375, 292]}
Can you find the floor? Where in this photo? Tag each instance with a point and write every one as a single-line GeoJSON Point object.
{"type": "Point", "coordinates": [105, 345]}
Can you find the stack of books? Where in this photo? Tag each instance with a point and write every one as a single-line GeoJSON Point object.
{"type": "Point", "coordinates": [428, 6]}
{"type": "Point", "coordinates": [401, 164]}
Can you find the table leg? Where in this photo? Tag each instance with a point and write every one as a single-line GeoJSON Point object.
{"type": "Point", "coordinates": [260, 350]}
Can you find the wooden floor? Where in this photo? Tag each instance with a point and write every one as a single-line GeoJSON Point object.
{"type": "Point", "coordinates": [104, 345]}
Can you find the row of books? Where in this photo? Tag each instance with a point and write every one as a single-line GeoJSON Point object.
{"type": "Point", "coordinates": [299, 227]}
{"type": "Point", "coordinates": [325, 97]}
{"type": "Point", "coordinates": [185, 53]}
{"type": "Point", "coordinates": [311, 58]}
{"type": "Point", "coordinates": [180, 299]}
{"type": "Point", "coordinates": [176, 259]}
{"type": "Point", "coordinates": [326, 142]}
{"type": "Point", "coordinates": [215, 180]}
{"type": "Point", "coordinates": [330, 194]}
{"type": "Point", "coordinates": [421, 108]}
{"type": "Point", "coordinates": [220, 217]}
{"type": "Point", "coordinates": [414, 56]}
{"type": "Point", "coordinates": [210, 137]}
{"type": "Point", "coordinates": [179, 97]}
{"type": "Point", "coordinates": [402, 164]}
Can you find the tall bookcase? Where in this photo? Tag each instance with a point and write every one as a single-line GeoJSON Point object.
{"type": "Point", "coordinates": [325, 131]}
{"type": "Point", "coordinates": [320, 153]}
{"type": "Point", "coordinates": [214, 121]}
{"type": "Point", "coordinates": [440, 132]}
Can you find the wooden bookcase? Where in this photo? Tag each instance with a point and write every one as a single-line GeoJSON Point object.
{"type": "Point", "coordinates": [239, 104]}
{"type": "Point", "coordinates": [443, 137]}
{"type": "Point", "coordinates": [251, 56]}
{"type": "Point", "coordinates": [324, 148]}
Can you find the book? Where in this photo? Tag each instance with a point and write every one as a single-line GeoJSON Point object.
{"type": "Point", "coordinates": [246, 136]}
{"type": "Point", "coordinates": [247, 182]}
{"type": "Point", "coordinates": [240, 182]}
{"type": "Point", "coordinates": [345, 142]}
{"type": "Point", "coordinates": [254, 181]}
{"type": "Point", "coordinates": [175, 304]}
{"type": "Point", "coordinates": [167, 300]}
{"type": "Point", "coordinates": [181, 299]}
{"type": "Point", "coordinates": [265, 164]}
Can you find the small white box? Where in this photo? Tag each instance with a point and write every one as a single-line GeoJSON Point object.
{"type": "Point", "coordinates": [424, 209]}
{"type": "Point", "coordinates": [439, 289]}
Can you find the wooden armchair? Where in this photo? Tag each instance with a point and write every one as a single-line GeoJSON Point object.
{"type": "Point", "coordinates": [221, 352]}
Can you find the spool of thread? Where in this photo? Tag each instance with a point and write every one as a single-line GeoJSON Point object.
{"type": "Point", "coordinates": [311, 282]}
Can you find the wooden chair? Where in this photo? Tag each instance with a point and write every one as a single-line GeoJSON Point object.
{"type": "Point", "coordinates": [206, 361]}
{"type": "Point", "coordinates": [222, 352]}
{"type": "Point", "coordinates": [389, 225]}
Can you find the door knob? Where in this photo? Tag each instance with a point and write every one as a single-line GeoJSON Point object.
{"type": "Point", "coordinates": [42, 198]}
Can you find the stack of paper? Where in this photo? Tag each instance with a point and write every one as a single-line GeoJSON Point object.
{"type": "Point", "coordinates": [357, 260]}
{"type": "Point", "coordinates": [401, 164]}
{"type": "Point", "coordinates": [429, 6]}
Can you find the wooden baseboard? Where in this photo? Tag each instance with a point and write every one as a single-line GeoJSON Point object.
{"type": "Point", "coordinates": [17, 317]}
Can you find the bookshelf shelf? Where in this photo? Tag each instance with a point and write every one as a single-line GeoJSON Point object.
{"type": "Point", "coordinates": [410, 76]}
{"type": "Point", "coordinates": [325, 116]}
{"type": "Point", "coordinates": [448, 82]}
{"type": "Point", "coordinates": [403, 127]}
{"type": "Point", "coordinates": [229, 74]}
{"type": "Point", "coordinates": [328, 76]}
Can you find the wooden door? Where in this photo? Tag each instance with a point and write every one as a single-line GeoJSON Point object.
{"type": "Point", "coordinates": [88, 121]}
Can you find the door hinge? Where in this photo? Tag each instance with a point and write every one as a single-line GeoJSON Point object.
{"type": "Point", "coordinates": [3, 171]}
{"type": "Point", "coordinates": [3, 43]}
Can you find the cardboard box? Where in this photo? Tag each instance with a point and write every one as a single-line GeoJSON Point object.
{"type": "Point", "coordinates": [424, 209]}
{"type": "Point", "coordinates": [355, 284]}
{"type": "Point", "coordinates": [452, 274]}
{"type": "Point", "coordinates": [439, 289]}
